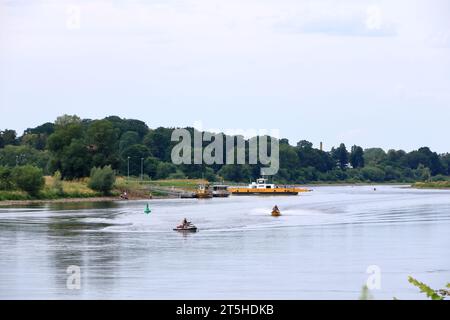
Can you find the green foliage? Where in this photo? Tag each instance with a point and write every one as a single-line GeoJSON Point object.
{"type": "Point", "coordinates": [73, 146]}
{"type": "Point", "coordinates": [340, 155]}
{"type": "Point", "coordinates": [14, 196]}
{"type": "Point", "coordinates": [373, 174]}
{"type": "Point", "coordinates": [374, 156]}
{"type": "Point", "coordinates": [21, 155]}
{"type": "Point", "coordinates": [7, 137]}
{"type": "Point", "coordinates": [101, 141]}
{"type": "Point", "coordinates": [136, 152]}
{"type": "Point", "coordinates": [179, 175]}
{"type": "Point", "coordinates": [159, 143]}
{"type": "Point", "coordinates": [75, 160]}
{"type": "Point", "coordinates": [29, 179]}
{"type": "Point", "coordinates": [129, 138]}
{"type": "Point", "coordinates": [232, 172]}
{"type": "Point", "coordinates": [57, 184]}
{"type": "Point", "coordinates": [6, 182]}
{"type": "Point", "coordinates": [102, 179]}
{"type": "Point", "coordinates": [357, 157]}
{"type": "Point", "coordinates": [365, 294]}
{"type": "Point", "coordinates": [164, 169]}
{"type": "Point", "coordinates": [66, 119]}
{"type": "Point", "coordinates": [432, 294]}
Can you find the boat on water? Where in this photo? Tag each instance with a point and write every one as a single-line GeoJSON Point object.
{"type": "Point", "coordinates": [203, 192]}
{"type": "Point", "coordinates": [220, 191]}
{"type": "Point", "coordinates": [187, 227]}
{"type": "Point", "coordinates": [263, 187]}
{"type": "Point", "coordinates": [276, 212]}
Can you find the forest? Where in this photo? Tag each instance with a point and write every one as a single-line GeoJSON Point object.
{"type": "Point", "coordinates": [72, 147]}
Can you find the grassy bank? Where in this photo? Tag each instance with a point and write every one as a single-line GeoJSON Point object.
{"type": "Point", "coordinates": [71, 190]}
{"type": "Point", "coordinates": [136, 189]}
{"type": "Point", "coordinates": [79, 190]}
{"type": "Point", "coordinates": [432, 185]}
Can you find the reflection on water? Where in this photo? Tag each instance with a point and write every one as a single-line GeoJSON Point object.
{"type": "Point", "coordinates": [319, 249]}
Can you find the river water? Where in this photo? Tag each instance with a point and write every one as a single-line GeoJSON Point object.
{"type": "Point", "coordinates": [321, 248]}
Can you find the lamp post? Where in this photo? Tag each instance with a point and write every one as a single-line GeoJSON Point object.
{"type": "Point", "coordinates": [128, 168]}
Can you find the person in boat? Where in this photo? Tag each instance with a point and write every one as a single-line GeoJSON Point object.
{"type": "Point", "coordinates": [275, 209]}
{"type": "Point", "coordinates": [185, 223]}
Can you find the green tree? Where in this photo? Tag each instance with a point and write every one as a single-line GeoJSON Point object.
{"type": "Point", "coordinates": [75, 160]}
{"type": "Point", "coordinates": [101, 138]}
{"type": "Point", "coordinates": [57, 183]}
{"type": "Point", "coordinates": [445, 160]}
{"type": "Point", "coordinates": [164, 169]}
{"type": "Point", "coordinates": [373, 174]}
{"type": "Point", "coordinates": [65, 142]}
{"type": "Point", "coordinates": [159, 143]}
{"type": "Point", "coordinates": [128, 139]}
{"type": "Point", "coordinates": [6, 182]}
{"type": "Point", "coordinates": [234, 172]}
{"type": "Point", "coordinates": [8, 137]}
{"type": "Point", "coordinates": [422, 173]}
{"type": "Point", "coordinates": [29, 179]}
{"type": "Point", "coordinates": [374, 156]}
{"type": "Point", "coordinates": [66, 119]}
{"type": "Point", "coordinates": [125, 125]}
{"type": "Point", "coordinates": [310, 157]}
{"type": "Point", "coordinates": [136, 153]}
{"type": "Point", "coordinates": [102, 179]}
{"type": "Point", "coordinates": [396, 157]}
{"type": "Point", "coordinates": [357, 157]}
{"type": "Point", "coordinates": [20, 155]}
{"type": "Point", "coordinates": [151, 167]}
{"type": "Point", "coordinates": [341, 156]}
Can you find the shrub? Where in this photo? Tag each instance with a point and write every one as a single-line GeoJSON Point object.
{"type": "Point", "coordinates": [6, 182]}
{"type": "Point", "coordinates": [164, 169]}
{"type": "Point", "coordinates": [57, 183]}
{"type": "Point", "coordinates": [432, 294]}
{"type": "Point", "coordinates": [29, 179]}
{"type": "Point", "coordinates": [177, 175]}
{"type": "Point", "coordinates": [373, 174]}
{"type": "Point", "coordinates": [102, 179]}
{"type": "Point", "coordinates": [440, 177]}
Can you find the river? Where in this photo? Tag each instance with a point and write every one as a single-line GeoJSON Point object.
{"type": "Point", "coordinates": [321, 248]}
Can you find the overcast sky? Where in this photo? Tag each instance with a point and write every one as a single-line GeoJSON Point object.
{"type": "Point", "coordinates": [372, 73]}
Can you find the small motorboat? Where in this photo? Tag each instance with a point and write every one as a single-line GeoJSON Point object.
{"type": "Point", "coordinates": [188, 227]}
{"type": "Point", "coordinates": [276, 212]}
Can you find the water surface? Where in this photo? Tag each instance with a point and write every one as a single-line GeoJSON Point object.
{"type": "Point", "coordinates": [319, 249]}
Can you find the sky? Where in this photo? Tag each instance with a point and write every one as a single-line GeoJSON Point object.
{"type": "Point", "coordinates": [370, 73]}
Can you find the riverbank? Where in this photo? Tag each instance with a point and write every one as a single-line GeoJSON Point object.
{"type": "Point", "coordinates": [444, 185]}
{"type": "Point", "coordinates": [78, 191]}
{"type": "Point", "coordinates": [10, 203]}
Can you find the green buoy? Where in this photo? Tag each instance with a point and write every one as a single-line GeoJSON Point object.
{"type": "Point", "coordinates": [147, 210]}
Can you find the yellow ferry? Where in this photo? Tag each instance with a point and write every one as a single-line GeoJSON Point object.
{"type": "Point", "coordinates": [262, 187]}
{"type": "Point", "coordinates": [203, 192]}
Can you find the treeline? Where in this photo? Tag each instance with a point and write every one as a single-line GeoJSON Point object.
{"type": "Point", "coordinates": [73, 146]}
